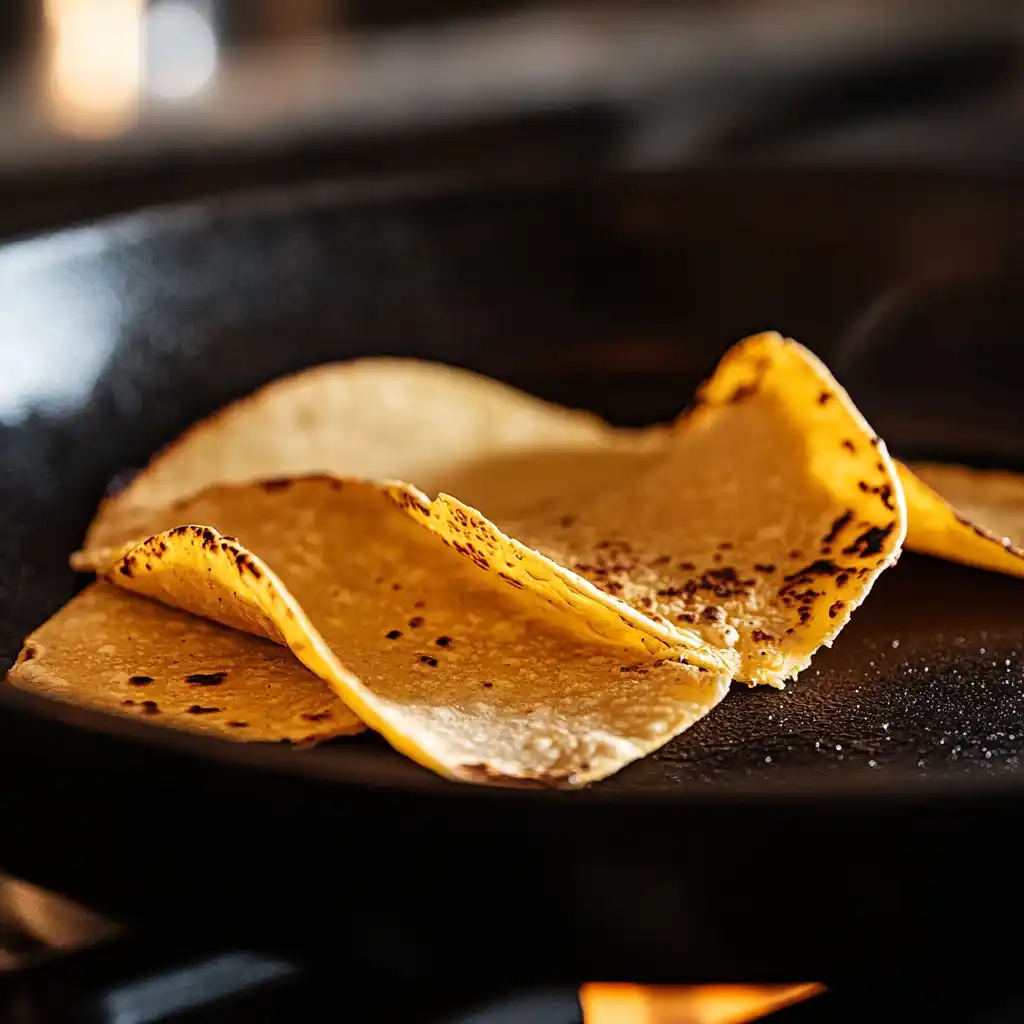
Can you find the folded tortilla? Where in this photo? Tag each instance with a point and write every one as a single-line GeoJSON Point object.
{"type": "Point", "coordinates": [472, 676]}
{"type": "Point", "coordinates": [966, 515]}
{"type": "Point", "coordinates": [763, 523]}
{"type": "Point", "coordinates": [114, 651]}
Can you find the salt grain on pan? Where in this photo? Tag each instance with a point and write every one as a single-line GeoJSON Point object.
{"type": "Point", "coordinates": [895, 644]}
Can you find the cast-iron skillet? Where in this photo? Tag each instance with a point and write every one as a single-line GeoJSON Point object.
{"type": "Point", "coordinates": [862, 814]}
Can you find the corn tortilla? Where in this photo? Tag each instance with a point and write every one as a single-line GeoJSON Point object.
{"type": "Point", "coordinates": [761, 518]}
{"type": "Point", "coordinates": [473, 678]}
{"type": "Point", "coordinates": [764, 523]}
{"type": "Point", "coordinates": [966, 515]}
{"type": "Point", "coordinates": [114, 651]}
{"type": "Point", "coordinates": [383, 419]}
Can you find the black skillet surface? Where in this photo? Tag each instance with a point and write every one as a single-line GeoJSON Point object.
{"type": "Point", "coordinates": [860, 815]}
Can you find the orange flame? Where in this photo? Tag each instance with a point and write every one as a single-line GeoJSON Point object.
{"type": "Point", "coordinates": [688, 1004]}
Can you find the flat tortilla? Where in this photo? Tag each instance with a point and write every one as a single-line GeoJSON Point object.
{"type": "Point", "coordinates": [966, 515]}
{"type": "Point", "coordinates": [383, 419]}
{"type": "Point", "coordinates": [113, 651]}
{"type": "Point", "coordinates": [770, 513]}
{"type": "Point", "coordinates": [474, 678]}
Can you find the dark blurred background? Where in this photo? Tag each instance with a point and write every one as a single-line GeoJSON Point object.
{"type": "Point", "coordinates": [107, 104]}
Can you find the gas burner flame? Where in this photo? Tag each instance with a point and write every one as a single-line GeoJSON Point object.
{"type": "Point", "coordinates": [689, 1004]}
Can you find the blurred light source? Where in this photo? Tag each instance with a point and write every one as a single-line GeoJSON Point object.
{"type": "Point", "coordinates": [181, 49]}
{"type": "Point", "coordinates": [93, 65]}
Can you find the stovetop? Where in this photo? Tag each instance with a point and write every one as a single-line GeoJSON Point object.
{"type": "Point", "coordinates": [62, 964]}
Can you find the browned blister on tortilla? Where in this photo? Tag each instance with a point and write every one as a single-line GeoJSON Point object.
{"type": "Point", "coordinates": [114, 651]}
{"type": "Point", "coordinates": [973, 516]}
{"type": "Point", "coordinates": [767, 517]}
{"type": "Point", "coordinates": [471, 677]}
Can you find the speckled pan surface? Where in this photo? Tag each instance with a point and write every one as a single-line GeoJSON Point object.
{"type": "Point", "coordinates": [617, 295]}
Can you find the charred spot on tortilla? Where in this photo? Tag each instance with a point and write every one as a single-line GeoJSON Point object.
{"type": "Point", "coordinates": [206, 678]}
{"type": "Point", "coordinates": [140, 680]}
{"type": "Point", "coordinates": [245, 564]}
{"type": "Point", "coordinates": [871, 541]}
{"type": "Point", "coordinates": [743, 392]}
{"type": "Point", "coordinates": [534, 780]}
{"type": "Point", "coordinates": [198, 709]}
{"type": "Point", "coordinates": [393, 634]}
{"type": "Point", "coordinates": [821, 567]}
{"type": "Point", "coordinates": [982, 532]}
{"type": "Point", "coordinates": [272, 486]}
{"type": "Point", "coordinates": [838, 525]}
